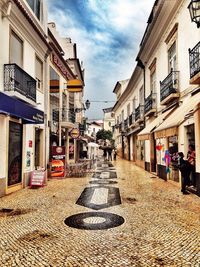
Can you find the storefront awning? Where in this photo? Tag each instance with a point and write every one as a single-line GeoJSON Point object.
{"type": "Point", "coordinates": [170, 126]}
{"type": "Point", "coordinates": [145, 133]}
{"type": "Point", "coordinates": [21, 110]}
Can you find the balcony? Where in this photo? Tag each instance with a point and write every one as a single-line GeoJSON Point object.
{"type": "Point", "coordinates": [194, 55]}
{"type": "Point", "coordinates": [169, 88]}
{"type": "Point", "coordinates": [139, 113]}
{"type": "Point", "coordinates": [68, 115]}
{"type": "Point", "coordinates": [19, 84]}
{"type": "Point", "coordinates": [150, 105]}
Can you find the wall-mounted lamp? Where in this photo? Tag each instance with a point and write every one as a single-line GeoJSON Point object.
{"type": "Point", "coordinates": [194, 8]}
{"type": "Point", "coordinates": [87, 106]}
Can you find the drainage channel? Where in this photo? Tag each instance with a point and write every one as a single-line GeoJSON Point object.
{"type": "Point", "coordinates": [100, 196]}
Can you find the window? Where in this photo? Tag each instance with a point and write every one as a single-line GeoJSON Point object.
{"type": "Point", "coordinates": [134, 105]}
{"type": "Point", "coordinates": [39, 73]}
{"type": "Point", "coordinates": [141, 96]}
{"type": "Point", "coordinates": [16, 49]}
{"type": "Point", "coordinates": [35, 6]}
{"type": "Point", "coordinates": [128, 109]}
{"type": "Point", "coordinates": [153, 82]}
{"type": "Point", "coordinates": [122, 115]}
{"type": "Point", "coordinates": [172, 58]}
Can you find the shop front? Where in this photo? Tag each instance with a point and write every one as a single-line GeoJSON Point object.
{"type": "Point", "coordinates": [16, 117]}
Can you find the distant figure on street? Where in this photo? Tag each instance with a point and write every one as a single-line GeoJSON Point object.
{"type": "Point", "coordinates": [105, 154]}
{"type": "Point", "coordinates": [110, 153]}
{"type": "Point", "coordinates": [115, 153]}
{"type": "Point", "coordinates": [185, 172]}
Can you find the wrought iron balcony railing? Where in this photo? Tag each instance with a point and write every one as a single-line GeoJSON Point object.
{"type": "Point", "coordinates": [169, 85]}
{"type": "Point", "coordinates": [194, 55]}
{"type": "Point", "coordinates": [16, 79]}
{"type": "Point", "coordinates": [120, 127]}
{"type": "Point", "coordinates": [126, 124]}
{"type": "Point", "coordinates": [139, 112]}
{"type": "Point", "coordinates": [131, 118]}
{"type": "Point", "coordinates": [68, 115]}
{"type": "Point", "coordinates": [150, 103]}
{"type": "Point", "coordinates": [55, 115]}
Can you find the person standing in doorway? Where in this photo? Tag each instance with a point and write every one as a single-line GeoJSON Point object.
{"type": "Point", "coordinates": [184, 168]}
{"type": "Point", "coordinates": [191, 159]}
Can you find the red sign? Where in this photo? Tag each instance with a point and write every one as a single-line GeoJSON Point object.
{"type": "Point", "coordinates": [37, 178]}
{"type": "Point", "coordinates": [60, 65]}
{"type": "Point", "coordinates": [30, 143]}
{"type": "Point", "coordinates": [58, 161]}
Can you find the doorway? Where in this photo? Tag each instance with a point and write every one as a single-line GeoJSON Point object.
{"type": "Point", "coordinates": [38, 147]}
{"type": "Point", "coordinates": [15, 153]}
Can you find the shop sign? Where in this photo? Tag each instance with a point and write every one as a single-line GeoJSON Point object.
{"type": "Point", "coordinates": [30, 143]}
{"type": "Point", "coordinates": [75, 86]}
{"type": "Point", "coordinates": [74, 133]}
{"type": "Point", "coordinates": [58, 162]}
{"type": "Point", "coordinates": [60, 65]}
{"type": "Point", "coordinates": [37, 178]}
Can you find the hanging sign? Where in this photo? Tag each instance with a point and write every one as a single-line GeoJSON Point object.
{"type": "Point", "coordinates": [75, 86]}
{"type": "Point", "coordinates": [74, 133]}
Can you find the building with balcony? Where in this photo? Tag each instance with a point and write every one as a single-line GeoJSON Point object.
{"type": "Point", "coordinates": [66, 93]}
{"type": "Point", "coordinates": [23, 83]}
{"type": "Point", "coordinates": [169, 63]}
{"type": "Point", "coordinates": [108, 120]}
{"type": "Point", "coordinates": [129, 117]}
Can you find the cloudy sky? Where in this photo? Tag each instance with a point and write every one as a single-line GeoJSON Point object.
{"type": "Point", "coordinates": [108, 34]}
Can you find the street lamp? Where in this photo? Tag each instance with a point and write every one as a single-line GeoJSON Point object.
{"type": "Point", "coordinates": [194, 8]}
{"type": "Point", "coordinates": [86, 106]}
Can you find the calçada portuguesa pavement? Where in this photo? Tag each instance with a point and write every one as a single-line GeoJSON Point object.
{"type": "Point", "coordinates": [128, 220]}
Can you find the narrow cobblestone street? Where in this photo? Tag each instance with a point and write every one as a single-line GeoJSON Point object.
{"type": "Point", "coordinates": [161, 226]}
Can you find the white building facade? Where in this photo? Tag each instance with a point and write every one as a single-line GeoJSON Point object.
{"type": "Point", "coordinates": [169, 59]}
{"type": "Point", "coordinates": [23, 83]}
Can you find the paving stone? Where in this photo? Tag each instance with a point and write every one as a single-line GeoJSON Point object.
{"type": "Point", "coordinates": [162, 226]}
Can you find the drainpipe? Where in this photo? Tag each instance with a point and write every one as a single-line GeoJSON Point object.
{"type": "Point", "coordinates": [142, 66]}
{"type": "Point", "coordinates": [46, 106]}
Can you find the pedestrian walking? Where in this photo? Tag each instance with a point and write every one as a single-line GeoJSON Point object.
{"type": "Point", "coordinates": [185, 170]}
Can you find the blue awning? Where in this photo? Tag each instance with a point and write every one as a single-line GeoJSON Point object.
{"type": "Point", "coordinates": [19, 109]}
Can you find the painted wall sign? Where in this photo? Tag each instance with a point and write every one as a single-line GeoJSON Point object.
{"type": "Point", "coordinates": [60, 65]}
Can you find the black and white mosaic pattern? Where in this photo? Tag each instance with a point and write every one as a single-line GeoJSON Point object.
{"type": "Point", "coordinates": [100, 196]}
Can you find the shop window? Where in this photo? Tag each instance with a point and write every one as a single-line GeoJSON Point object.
{"type": "Point", "coordinates": [35, 5]}
{"type": "Point", "coordinates": [39, 73]}
{"type": "Point", "coordinates": [16, 49]}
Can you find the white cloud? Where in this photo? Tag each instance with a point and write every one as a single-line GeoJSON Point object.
{"type": "Point", "coordinates": [105, 65]}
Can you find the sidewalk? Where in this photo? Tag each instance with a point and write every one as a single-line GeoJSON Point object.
{"type": "Point", "coordinates": [161, 228]}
